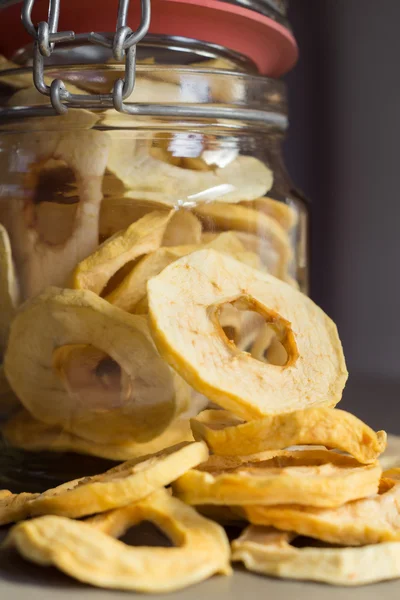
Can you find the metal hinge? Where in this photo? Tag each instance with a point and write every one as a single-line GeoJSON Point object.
{"type": "Point", "coordinates": [123, 44]}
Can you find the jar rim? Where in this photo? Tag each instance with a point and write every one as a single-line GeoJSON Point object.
{"type": "Point", "coordinates": [265, 103]}
{"type": "Point", "coordinates": [182, 46]}
{"type": "Point", "coordinates": [278, 121]}
{"type": "Point", "coordinates": [143, 68]}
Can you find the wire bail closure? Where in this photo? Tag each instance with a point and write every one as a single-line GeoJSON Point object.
{"type": "Point", "coordinates": [123, 44]}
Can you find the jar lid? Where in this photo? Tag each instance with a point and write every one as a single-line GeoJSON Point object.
{"type": "Point", "coordinates": [237, 25]}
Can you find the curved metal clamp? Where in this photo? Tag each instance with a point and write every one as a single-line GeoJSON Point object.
{"type": "Point", "coordinates": [123, 44]}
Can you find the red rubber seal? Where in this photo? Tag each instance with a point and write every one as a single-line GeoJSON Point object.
{"type": "Point", "coordinates": [269, 44]}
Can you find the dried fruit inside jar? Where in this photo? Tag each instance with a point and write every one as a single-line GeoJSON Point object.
{"type": "Point", "coordinates": [101, 203]}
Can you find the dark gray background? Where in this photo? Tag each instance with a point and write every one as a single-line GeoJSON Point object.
{"type": "Point", "coordinates": [343, 151]}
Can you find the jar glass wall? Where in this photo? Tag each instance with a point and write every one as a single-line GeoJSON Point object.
{"type": "Point", "coordinates": [95, 203]}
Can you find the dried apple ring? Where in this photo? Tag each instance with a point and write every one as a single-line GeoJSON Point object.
{"type": "Point", "coordinates": [9, 289]}
{"type": "Point", "coordinates": [21, 78]}
{"type": "Point", "coordinates": [54, 221]}
{"type": "Point", "coordinates": [184, 304]}
{"type": "Point", "coordinates": [216, 463]}
{"type": "Point", "coordinates": [243, 219]}
{"type": "Point", "coordinates": [219, 87]}
{"type": "Point", "coordinates": [142, 307]}
{"type": "Point", "coordinates": [240, 326]}
{"type": "Point", "coordinates": [14, 507]}
{"type": "Point", "coordinates": [141, 237]}
{"type": "Point", "coordinates": [30, 96]}
{"type": "Point", "coordinates": [14, 79]}
{"type": "Point", "coordinates": [270, 552]}
{"type": "Point", "coordinates": [260, 246]}
{"type": "Point", "coordinates": [196, 163]}
{"type": "Point", "coordinates": [244, 178]}
{"type": "Point", "coordinates": [229, 325]}
{"type": "Point", "coordinates": [72, 122]}
{"type": "Point", "coordinates": [89, 552]}
{"type": "Point", "coordinates": [183, 228]}
{"type": "Point", "coordinates": [228, 242]}
{"type": "Point", "coordinates": [145, 402]}
{"type": "Point", "coordinates": [129, 482]}
{"type": "Point", "coordinates": [146, 90]}
{"type": "Point", "coordinates": [78, 155]}
{"type": "Point", "coordinates": [328, 427]}
{"type": "Point", "coordinates": [369, 520]}
{"type": "Point", "coordinates": [284, 214]}
{"type": "Point", "coordinates": [9, 402]}
{"type": "Point", "coordinates": [391, 456]}
{"type": "Point", "coordinates": [267, 348]}
{"type": "Point", "coordinates": [119, 211]}
{"type": "Point", "coordinates": [90, 375]}
{"type": "Point", "coordinates": [268, 251]}
{"type": "Point", "coordinates": [161, 152]}
{"type": "Point", "coordinates": [306, 477]}
{"type": "Point", "coordinates": [389, 476]}
{"type": "Point", "coordinates": [133, 287]}
{"type": "Point", "coordinates": [23, 431]}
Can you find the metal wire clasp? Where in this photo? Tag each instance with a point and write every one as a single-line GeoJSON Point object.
{"type": "Point", "coordinates": [123, 44]}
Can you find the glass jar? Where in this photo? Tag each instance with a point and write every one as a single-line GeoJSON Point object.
{"type": "Point", "coordinates": [93, 203]}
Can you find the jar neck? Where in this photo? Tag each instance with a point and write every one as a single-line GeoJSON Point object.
{"type": "Point", "coordinates": [163, 50]}
{"type": "Point", "coordinates": [203, 93]}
